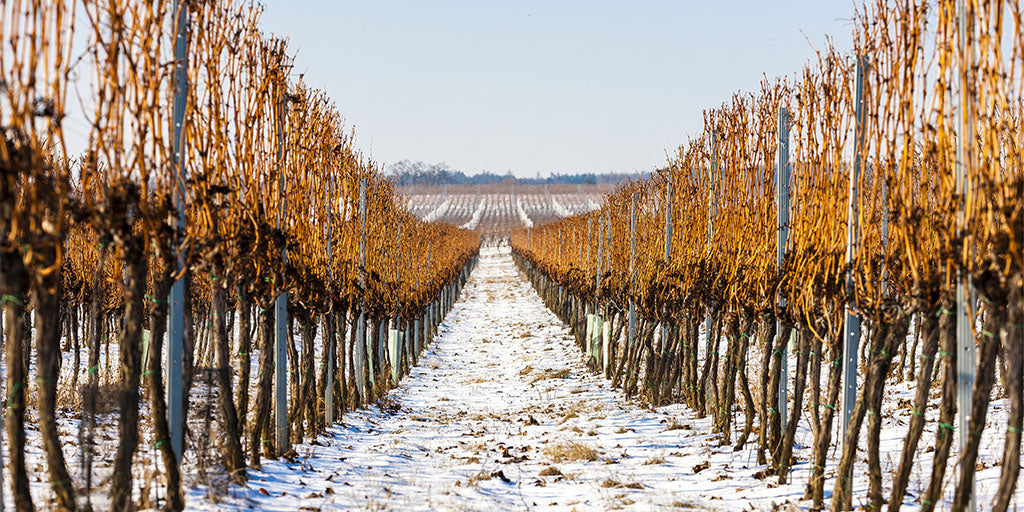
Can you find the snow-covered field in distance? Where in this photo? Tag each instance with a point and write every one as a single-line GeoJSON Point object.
{"type": "Point", "coordinates": [496, 209]}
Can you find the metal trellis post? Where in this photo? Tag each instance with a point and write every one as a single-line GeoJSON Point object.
{"type": "Point", "coordinates": [966, 358]}
{"type": "Point", "coordinates": [329, 356]}
{"type": "Point", "coordinates": [176, 301]}
{"type": "Point", "coordinates": [782, 174]}
{"type": "Point", "coordinates": [360, 341]}
{"type": "Point", "coordinates": [851, 320]}
{"type": "Point", "coordinates": [632, 257]}
{"type": "Point", "coordinates": [712, 208]}
{"type": "Point", "coordinates": [281, 333]}
{"type": "Point", "coordinates": [668, 251]}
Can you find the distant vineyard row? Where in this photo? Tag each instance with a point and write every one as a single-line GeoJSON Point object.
{"type": "Point", "coordinates": [494, 210]}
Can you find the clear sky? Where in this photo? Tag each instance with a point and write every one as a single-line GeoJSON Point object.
{"type": "Point", "coordinates": [534, 86]}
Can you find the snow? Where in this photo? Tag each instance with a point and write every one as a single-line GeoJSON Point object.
{"type": "Point", "coordinates": [479, 422]}
{"type": "Point", "coordinates": [481, 206]}
{"type": "Point", "coordinates": [560, 209]}
{"type": "Point", "coordinates": [438, 212]}
{"type": "Point", "coordinates": [522, 213]}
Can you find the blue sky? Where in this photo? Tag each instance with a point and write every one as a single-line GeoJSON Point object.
{"type": "Point", "coordinates": [544, 86]}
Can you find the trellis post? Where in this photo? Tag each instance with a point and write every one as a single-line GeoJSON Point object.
{"type": "Point", "coordinates": [668, 251]}
{"type": "Point", "coordinates": [782, 174]}
{"type": "Point", "coordinates": [281, 307]}
{"type": "Point", "coordinates": [712, 209]}
{"type": "Point", "coordinates": [966, 297]}
{"type": "Point", "coordinates": [851, 320]}
{"type": "Point", "coordinates": [329, 355]}
{"type": "Point", "coordinates": [395, 334]}
{"type": "Point", "coordinates": [592, 314]}
{"type": "Point", "coordinates": [360, 341]}
{"type": "Point", "coordinates": [606, 329]}
{"type": "Point", "coordinates": [176, 301]}
{"type": "Point", "coordinates": [632, 257]}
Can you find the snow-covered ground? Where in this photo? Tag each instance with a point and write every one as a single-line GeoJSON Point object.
{"type": "Point", "coordinates": [522, 214]}
{"type": "Point", "coordinates": [481, 206]}
{"type": "Point", "coordinates": [502, 414]}
{"type": "Point", "coordinates": [502, 210]}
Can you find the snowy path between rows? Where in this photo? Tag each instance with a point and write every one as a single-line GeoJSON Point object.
{"type": "Point", "coordinates": [500, 396]}
{"type": "Point", "coordinates": [502, 414]}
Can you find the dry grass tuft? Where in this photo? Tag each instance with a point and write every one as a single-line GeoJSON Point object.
{"type": "Point", "coordinates": [576, 408]}
{"type": "Point", "coordinates": [675, 425]}
{"type": "Point", "coordinates": [615, 484]}
{"type": "Point", "coordinates": [389, 404]}
{"type": "Point", "coordinates": [570, 451]}
{"type": "Point", "coordinates": [477, 478]}
{"type": "Point", "coordinates": [551, 374]}
{"type": "Point", "coordinates": [106, 398]}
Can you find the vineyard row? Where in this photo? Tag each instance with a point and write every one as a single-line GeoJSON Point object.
{"type": "Point", "coordinates": [865, 219]}
{"type": "Point", "coordinates": [219, 206]}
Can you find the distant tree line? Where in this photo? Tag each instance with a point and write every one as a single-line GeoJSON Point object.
{"type": "Point", "coordinates": [407, 172]}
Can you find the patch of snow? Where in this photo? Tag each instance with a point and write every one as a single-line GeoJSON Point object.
{"type": "Point", "coordinates": [438, 212]}
{"type": "Point", "coordinates": [522, 214]}
{"type": "Point", "coordinates": [479, 212]}
{"type": "Point", "coordinates": [560, 210]}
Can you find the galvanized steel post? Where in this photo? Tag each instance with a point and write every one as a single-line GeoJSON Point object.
{"type": "Point", "coordinates": [668, 251]}
{"type": "Point", "coordinates": [851, 321]}
{"type": "Point", "coordinates": [360, 341]}
{"type": "Point", "coordinates": [782, 174]}
{"type": "Point", "coordinates": [176, 301]}
{"type": "Point", "coordinates": [331, 343]}
{"type": "Point", "coordinates": [632, 257]}
{"type": "Point", "coordinates": [281, 331]}
{"type": "Point", "coordinates": [329, 354]}
{"type": "Point", "coordinates": [601, 341]}
{"type": "Point", "coordinates": [966, 297]}
{"type": "Point", "coordinates": [712, 210]}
